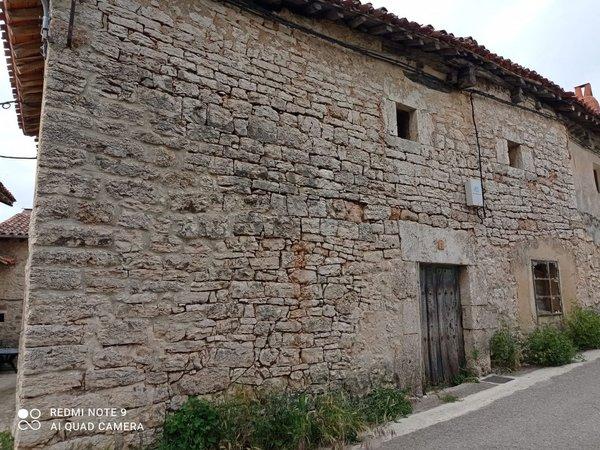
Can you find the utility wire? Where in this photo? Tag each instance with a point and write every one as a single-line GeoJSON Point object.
{"type": "Point", "coordinates": [6, 105]}
{"type": "Point", "coordinates": [18, 157]}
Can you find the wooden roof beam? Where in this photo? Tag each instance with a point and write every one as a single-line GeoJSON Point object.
{"type": "Point", "coordinates": [335, 15]}
{"type": "Point", "coordinates": [27, 49]}
{"type": "Point", "coordinates": [466, 77]}
{"type": "Point", "coordinates": [357, 21]}
{"type": "Point", "coordinates": [313, 8]}
{"type": "Point", "coordinates": [381, 29]}
{"type": "Point", "coordinates": [24, 15]}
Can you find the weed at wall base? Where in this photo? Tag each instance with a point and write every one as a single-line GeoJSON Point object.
{"type": "Point", "coordinates": [6, 441]}
{"type": "Point", "coordinates": [583, 327]}
{"type": "Point", "coordinates": [280, 421]}
{"type": "Point", "coordinates": [505, 350]}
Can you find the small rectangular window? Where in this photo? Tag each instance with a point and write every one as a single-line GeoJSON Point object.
{"type": "Point", "coordinates": [597, 178]}
{"type": "Point", "coordinates": [404, 122]}
{"type": "Point", "coordinates": [2, 316]}
{"type": "Point", "coordinates": [546, 285]}
{"type": "Point", "coordinates": [515, 155]}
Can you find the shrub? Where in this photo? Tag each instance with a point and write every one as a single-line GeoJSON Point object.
{"type": "Point", "coordinates": [385, 404]}
{"type": "Point", "coordinates": [583, 327]}
{"type": "Point", "coordinates": [505, 350]}
{"type": "Point", "coordinates": [195, 426]}
{"type": "Point", "coordinates": [6, 441]}
{"type": "Point", "coordinates": [549, 346]}
{"type": "Point", "coordinates": [280, 421]}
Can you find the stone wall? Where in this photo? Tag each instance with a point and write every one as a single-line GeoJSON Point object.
{"type": "Point", "coordinates": [12, 288]}
{"type": "Point", "coordinates": [220, 200]}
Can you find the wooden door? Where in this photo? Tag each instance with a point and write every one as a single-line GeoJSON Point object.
{"type": "Point", "coordinates": [441, 324]}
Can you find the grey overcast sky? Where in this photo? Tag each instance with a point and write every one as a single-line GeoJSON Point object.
{"type": "Point", "coordinates": [559, 39]}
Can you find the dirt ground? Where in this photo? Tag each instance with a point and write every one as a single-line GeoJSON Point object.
{"type": "Point", "coordinates": [8, 382]}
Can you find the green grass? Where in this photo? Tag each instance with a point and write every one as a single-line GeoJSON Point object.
{"type": "Point", "coordinates": [448, 398]}
{"type": "Point", "coordinates": [270, 421]}
{"type": "Point", "coordinates": [6, 441]}
{"type": "Point", "coordinates": [384, 405]}
{"type": "Point", "coordinates": [583, 327]}
{"type": "Point", "coordinates": [465, 375]}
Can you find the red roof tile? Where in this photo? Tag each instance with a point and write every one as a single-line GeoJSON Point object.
{"type": "Point", "coordinates": [5, 196]}
{"type": "Point", "coordinates": [17, 226]}
{"type": "Point", "coordinates": [468, 43]}
{"type": "Point", "coordinates": [480, 54]}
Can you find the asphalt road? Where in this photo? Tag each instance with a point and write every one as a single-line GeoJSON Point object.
{"type": "Point", "coordinates": [561, 413]}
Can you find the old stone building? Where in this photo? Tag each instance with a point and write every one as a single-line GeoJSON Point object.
{"type": "Point", "coordinates": [13, 257]}
{"type": "Point", "coordinates": [285, 193]}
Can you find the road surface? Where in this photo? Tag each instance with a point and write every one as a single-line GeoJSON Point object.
{"type": "Point", "coordinates": [560, 413]}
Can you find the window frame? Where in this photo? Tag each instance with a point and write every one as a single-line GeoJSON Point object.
{"type": "Point", "coordinates": [552, 296]}
{"type": "Point", "coordinates": [410, 128]}
{"type": "Point", "coordinates": [515, 149]}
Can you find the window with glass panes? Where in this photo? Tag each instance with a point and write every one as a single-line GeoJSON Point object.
{"type": "Point", "coordinates": [546, 284]}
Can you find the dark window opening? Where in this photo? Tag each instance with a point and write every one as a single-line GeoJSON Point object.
{"type": "Point", "coordinates": [597, 179]}
{"type": "Point", "coordinates": [404, 118]}
{"type": "Point", "coordinates": [1, 317]}
{"type": "Point", "coordinates": [546, 284]}
{"type": "Point", "coordinates": [515, 157]}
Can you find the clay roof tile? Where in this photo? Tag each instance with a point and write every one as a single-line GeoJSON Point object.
{"type": "Point", "coordinates": [17, 226]}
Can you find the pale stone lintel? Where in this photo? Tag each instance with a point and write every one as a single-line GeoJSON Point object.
{"type": "Point", "coordinates": [426, 244]}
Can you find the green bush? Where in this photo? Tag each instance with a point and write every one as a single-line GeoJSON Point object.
{"type": "Point", "coordinates": [6, 441]}
{"type": "Point", "coordinates": [195, 426]}
{"type": "Point", "coordinates": [549, 346]}
{"type": "Point", "coordinates": [583, 327]}
{"type": "Point", "coordinates": [505, 350]}
{"type": "Point", "coordinates": [280, 421]}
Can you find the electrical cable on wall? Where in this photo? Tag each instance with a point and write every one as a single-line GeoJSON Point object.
{"type": "Point", "coordinates": [483, 208]}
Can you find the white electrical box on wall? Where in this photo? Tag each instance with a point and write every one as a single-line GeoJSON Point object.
{"type": "Point", "coordinates": [474, 192]}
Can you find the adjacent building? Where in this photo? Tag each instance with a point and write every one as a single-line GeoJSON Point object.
{"type": "Point", "coordinates": [13, 258]}
{"type": "Point", "coordinates": [285, 193]}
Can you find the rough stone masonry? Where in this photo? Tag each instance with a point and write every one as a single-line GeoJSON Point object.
{"type": "Point", "coordinates": [223, 199]}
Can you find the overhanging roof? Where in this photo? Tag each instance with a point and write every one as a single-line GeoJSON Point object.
{"type": "Point", "coordinates": [402, 34]}
{"type": "Point", "coordinates": [5, 196]}
{"type": "Point", "coordinates": [21, 35]}
{"type": "Point", "coordinates": [21, 26]}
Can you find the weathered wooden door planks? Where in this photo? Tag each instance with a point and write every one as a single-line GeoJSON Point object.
{"type": "Point", "coordinates": [441, 323]}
